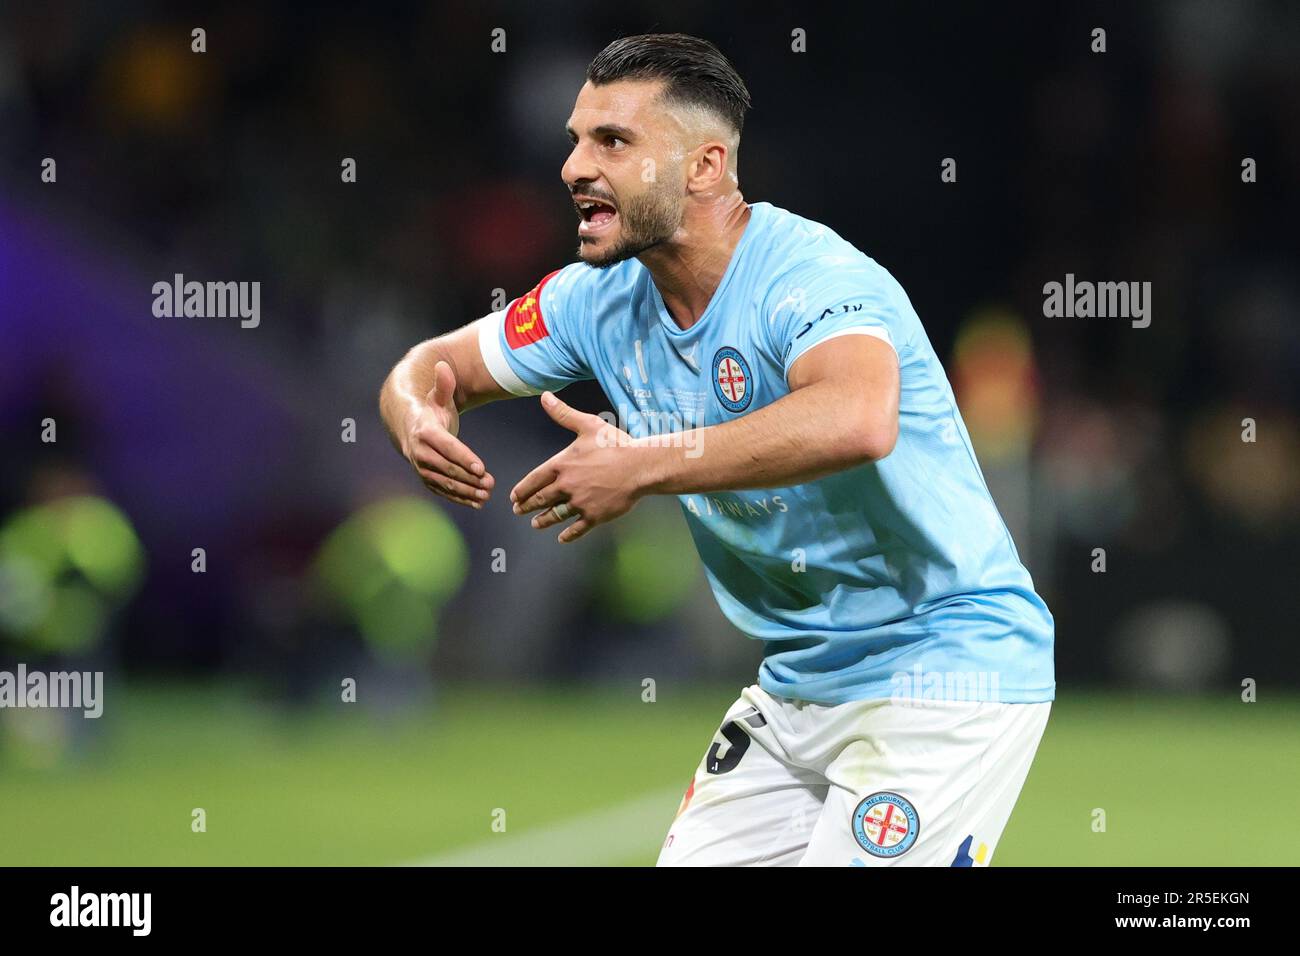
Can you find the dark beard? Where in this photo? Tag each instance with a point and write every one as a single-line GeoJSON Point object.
{"type": "Point", "coordinates": [648, 220]}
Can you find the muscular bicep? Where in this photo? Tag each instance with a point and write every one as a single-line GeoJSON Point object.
{"type": "Point", "coordinates": [861, 372]}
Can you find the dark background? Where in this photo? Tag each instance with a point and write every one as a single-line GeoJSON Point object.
{"type": "Point", "coordinates": [225, 165]}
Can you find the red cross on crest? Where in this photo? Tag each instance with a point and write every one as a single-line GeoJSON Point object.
{"type": "Point", "coordinates": [731, 378]}
{"type": "Point", "coordinates": [883, 827]}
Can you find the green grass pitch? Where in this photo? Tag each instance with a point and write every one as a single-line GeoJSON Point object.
{"type": "Point", "coordinates": [339, 785]}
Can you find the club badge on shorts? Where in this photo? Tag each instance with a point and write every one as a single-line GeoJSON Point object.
{"type": "Point", "coordinates": [731, 379]}
{"type": "Point", "coordinates": [886, 824]}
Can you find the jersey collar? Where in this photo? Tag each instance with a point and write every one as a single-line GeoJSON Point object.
{"type": "Point", "coordinates": [757, 213]}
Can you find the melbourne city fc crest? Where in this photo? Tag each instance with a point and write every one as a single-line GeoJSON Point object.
{"type": "Point", "coordinates": [731, 380]}
{"type": "Point", "coordinates": [886, 824]}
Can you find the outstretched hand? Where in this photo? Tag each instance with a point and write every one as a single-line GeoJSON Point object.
{"type": "Point", "coordinates": [444, 463]}
{"type": "Point", "coordinates": [599, 477]}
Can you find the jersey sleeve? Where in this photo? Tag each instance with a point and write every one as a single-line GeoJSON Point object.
{"type": "Point", "coordinates": [530, 346]}
{"type": "Point", "coordinates": [825, 298]}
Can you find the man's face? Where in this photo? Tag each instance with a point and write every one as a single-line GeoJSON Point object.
{"type": "Point", "coordinates": [625, 171]}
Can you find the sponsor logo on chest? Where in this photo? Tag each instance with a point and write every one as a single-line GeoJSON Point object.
{"type": "Point", "coordinates": [728, 505]}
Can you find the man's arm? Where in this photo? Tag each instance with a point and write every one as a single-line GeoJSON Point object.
{"type": "Point", "coordinates": [420, 403]}
{"type": "Point", "coordinates": [842, 411]}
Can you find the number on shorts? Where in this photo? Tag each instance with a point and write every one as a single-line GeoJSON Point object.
{"type": "Point", "coordinates": [737, 739]}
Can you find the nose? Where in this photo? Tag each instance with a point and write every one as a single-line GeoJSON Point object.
{"type": "Point", "coordinates": [578, 167]}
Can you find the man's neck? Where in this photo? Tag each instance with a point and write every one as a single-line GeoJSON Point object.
{"type": "Point", "coordinates": [688, 269]}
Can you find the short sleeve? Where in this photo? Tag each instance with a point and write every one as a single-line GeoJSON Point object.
{"type": "Point", "coordinates": [827, 297]}
{"type": "Point", "coordinates": [529, 345]}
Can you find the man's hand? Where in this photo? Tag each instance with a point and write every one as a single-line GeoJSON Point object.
{"type": "Point", "coordinates": [445, 465]}
{"type": "Point", "coordinates": [598, 478]}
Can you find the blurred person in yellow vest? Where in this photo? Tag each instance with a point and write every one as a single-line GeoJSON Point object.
{"type": "Point", "coordinates": [70, 561]}
{"type": "Point", "coordinates": [391, 567]}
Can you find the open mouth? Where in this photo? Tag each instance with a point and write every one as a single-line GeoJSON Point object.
{"type": "Point", "coordinates": [596, 215]}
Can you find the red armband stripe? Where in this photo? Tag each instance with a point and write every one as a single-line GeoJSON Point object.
{"type": "Point", "coordinates": [524, 321]}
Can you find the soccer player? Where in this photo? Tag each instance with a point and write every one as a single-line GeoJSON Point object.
{"type": "Point", "coordinates": [821, 463]}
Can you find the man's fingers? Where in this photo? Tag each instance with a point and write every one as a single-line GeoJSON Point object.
{"type": "Point", "coordinates": [575, 531]}
{"type": "Point", "coordinates": [532, 483]}
{"type": "Point", "coordinates": [453, 449]}
{"type": "Point", "coordinates": [547, 518]}
{"type": "Point", "coordinates": [454, 499]}
{"type": "Point", "coordinates": [444, 385]}
{"type": "Point", "coordinates": [450, 487]}
{"type": "Point", "coordinates": [561, 413]}
{"type": "Point", "coordinates": [546, 498]}
{"type": "Point", "coordinates": [427, 458]}
{"type": "Point", "coordinates": [439, 489]}
{"type": "Point", "coordinates": [568, 416]}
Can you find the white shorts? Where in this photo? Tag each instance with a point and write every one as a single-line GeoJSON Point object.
{"type": "Point", "coordinates": [867, 783]}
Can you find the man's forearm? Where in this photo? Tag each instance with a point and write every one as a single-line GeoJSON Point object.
{"type": "Point", "coordinates": [412, 378]}
{"type": "Point", "coordinates": [808, 434]}
{"type": "Point", "coordinates": [407, 384]}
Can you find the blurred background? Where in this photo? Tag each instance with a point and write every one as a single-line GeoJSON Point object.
{"type": "Point", "coordinates": [213, 516]}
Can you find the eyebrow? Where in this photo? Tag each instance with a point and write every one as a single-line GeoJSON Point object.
{"type": "Point", "coordinates": [605, 129]}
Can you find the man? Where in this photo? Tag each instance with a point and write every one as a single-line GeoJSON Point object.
{"type": "Point", "coordinates": [824, 471]}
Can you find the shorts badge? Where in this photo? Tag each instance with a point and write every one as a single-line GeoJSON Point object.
{"type": "Point", "coordinates": [886, 824]}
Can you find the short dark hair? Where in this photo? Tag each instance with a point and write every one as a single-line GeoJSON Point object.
{"type": "Point", "coordinates": [695, 71]}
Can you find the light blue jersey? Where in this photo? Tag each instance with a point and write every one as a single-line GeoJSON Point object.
{"type": "Point", "coordinates": [897, 578]}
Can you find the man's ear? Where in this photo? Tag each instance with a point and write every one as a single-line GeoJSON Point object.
{"type": "Point", "coordinates": [708, 165]}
